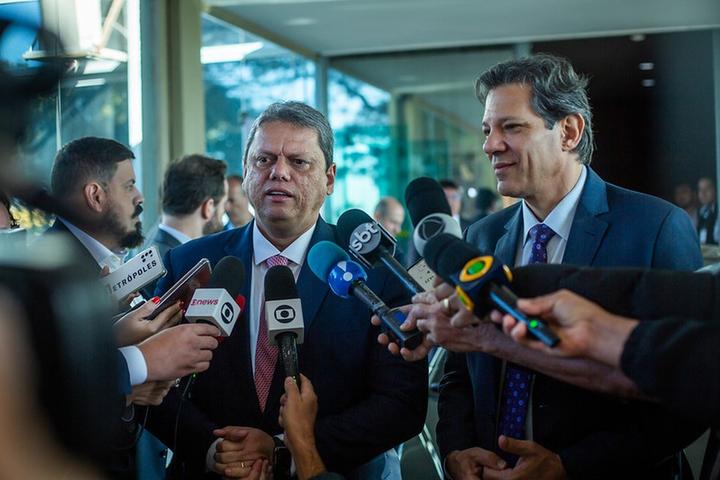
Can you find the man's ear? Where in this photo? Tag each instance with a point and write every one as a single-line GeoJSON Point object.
{"type": "Point", "coordinates": [207, 209]}
{"type": "Point", "coordinates": [95, 197]}
{"type": "Point", "coordinates": [331, 172]}
{"type": "Point", "coordinates": [572, 128]}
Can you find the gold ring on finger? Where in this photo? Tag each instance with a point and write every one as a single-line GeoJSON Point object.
{"type": "Point", "coordinates": [446, 305]}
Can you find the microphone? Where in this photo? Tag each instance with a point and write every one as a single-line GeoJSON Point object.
{"type": "Point", "coordinates": [138, 272]}
{"type": "Point", "coordinates": [372, 245]}
{"type": "Point", "coordinates": [429, 211]}
{"type": "Point", "coordinates": [481, 281]}
{"type": "Point", "coordinates": [347, 279]}
{"type": "Point", "coordinates": [283, 312]}
{"type": "Point", "coordinates": [217, 303]}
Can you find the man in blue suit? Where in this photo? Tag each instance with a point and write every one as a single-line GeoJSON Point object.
{"type": "Point", "coordinates": [497, 419]}
{"type": "Point", "coordinates": [369, 401]}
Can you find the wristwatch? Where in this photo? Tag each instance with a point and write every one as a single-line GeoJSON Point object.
{"type": "Point", "coordinates": [281, 460]}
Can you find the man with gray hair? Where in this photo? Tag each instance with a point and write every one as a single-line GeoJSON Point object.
{"type": "Point", "coordinates": [369, 401]}
{"type": "Point", "coordinates": [497, 418]}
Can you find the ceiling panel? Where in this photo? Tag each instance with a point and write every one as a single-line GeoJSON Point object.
{"type": "Point", "coordinates": [348, 27]}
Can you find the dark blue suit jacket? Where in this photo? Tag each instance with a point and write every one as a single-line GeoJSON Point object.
{"type": "Point", "coordinates": [369, 401]}
{"type": "Point", "coordinates": [596, 436]}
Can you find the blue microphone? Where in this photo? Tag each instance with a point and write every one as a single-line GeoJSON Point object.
{"type": "Point", "coordinates": [347, 279]}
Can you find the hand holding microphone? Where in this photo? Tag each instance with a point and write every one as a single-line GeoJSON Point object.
{"type": "Point", "coordinates": [429, 212]}
{"type": "Point", "coordinates": [347, 279]}
{"type": "Point", "coordinates": [134, 327]}
{"type": "Point", "coordinates": [220, 302]}
{"type": "Point", "coordinates": [481, 282]}
{"type": "Point", "coordinates": [179, 351]}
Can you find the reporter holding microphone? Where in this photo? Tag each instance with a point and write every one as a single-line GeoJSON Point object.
{"type": "Point", "coordinates": [298, 409]}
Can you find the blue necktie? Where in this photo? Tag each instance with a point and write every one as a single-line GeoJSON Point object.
{"type": "Point", "coordinates": [516, 390]}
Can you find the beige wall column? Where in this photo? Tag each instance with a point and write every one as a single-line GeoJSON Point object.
{"type": "Point", "coordinates": [172, 90]}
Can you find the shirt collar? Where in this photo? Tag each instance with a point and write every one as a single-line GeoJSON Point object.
{"type": "Point", "coordinates": [295, 252]}
{"type": "Point", "coordinates": [176, 234]}
{"type": "Point", "coordinates": [102, 255]}
{"type": "Point", "coordinates": [561, 217]}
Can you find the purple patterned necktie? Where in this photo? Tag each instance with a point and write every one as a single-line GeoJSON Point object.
{"type": "Point", "coordinates": [265, 354]}
{"type": "Point", "coordinates": [516, 390]}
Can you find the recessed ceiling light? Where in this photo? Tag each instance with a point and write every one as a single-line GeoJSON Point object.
{"type": "Point", "coordinates": [300, 22]}
{"type": "Point", "coordinates": [648, 82]}
{"type": "Point", "coordinates": [646, 66]}
{"type": "Point", "coordinates": [638, 37]}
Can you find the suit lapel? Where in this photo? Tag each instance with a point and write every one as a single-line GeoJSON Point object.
{"type": "Point", "coordinates": [240, 245]}
{"type": "Point", "coordinates": [506, 247]}
{"type": "Point", "coordinates": [311, 289]}
{"type": "Point", "coordinates": [587, 230]}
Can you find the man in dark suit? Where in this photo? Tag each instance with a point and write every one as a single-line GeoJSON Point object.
{"type": "Point", "coordinates": [93, 180]}
{"type": "Point", "coordinates": [369, 401]}
{"type": "Point", "coordinates": [194, 193]}
{"type": "Point", "coordinates": [537, 122]}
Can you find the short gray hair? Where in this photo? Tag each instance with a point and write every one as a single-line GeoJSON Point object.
{"type": "Point", "coordinates": [301, 115]}
{"type": "Point", "coordinates": [557, 91]}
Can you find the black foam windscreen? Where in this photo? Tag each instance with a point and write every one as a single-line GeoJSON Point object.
{"type": "Point", "coordinates": [425, 196]}
{"type": "Point", "coordinates": [446, 255]}
{"type": "Point", "coordinates": [280, 283]}
{"type": "Point", "coordinates": [229, 273]}
{"type": "Point", "coordinates": [349, 221]}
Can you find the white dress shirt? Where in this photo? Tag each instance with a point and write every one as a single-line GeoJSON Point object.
{"type": "Point", "coordinates": [560, 220]}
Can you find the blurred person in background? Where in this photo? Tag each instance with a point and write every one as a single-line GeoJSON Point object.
{"type": "Point", "coordinates": [237, 205]}
{"type": "Point", "coordinates": [390, 213]}
{"type": "Point", "coordinates": [7, 221]}
{"type": "Point", "coordinates": [487, 202]}
{"type": "Point", "coordinates": [454, 196]}
{"type": "Point", "coordinates": [708, 227]}
{"type": "Point", "coordinates": [684, 197]}
{"type": "Point", "coordinates": [194, 192]}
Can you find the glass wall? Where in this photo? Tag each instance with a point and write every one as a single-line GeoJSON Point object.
{"type": "Point", "coordinates": [92, 99]}
{"type": "Point", "coordinates": [243, 74]}
{"type": "Point", "coordinates": [366, 167]}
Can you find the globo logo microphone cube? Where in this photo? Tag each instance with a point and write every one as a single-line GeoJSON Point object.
{"type": "Point", "coordinates": [214, 306]}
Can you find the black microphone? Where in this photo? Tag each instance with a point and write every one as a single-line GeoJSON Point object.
{"type": "Point", "coordinates": [372, 245]}
{"type": "Point", "coordinates": [429, 211]}
{"type": "Point", "coordinates": [347, 279]}
{"type": "Point", "coordinates": [283, 313]}
{"type": "Point", "coordinates": [481, 281]}
{"type": "Point", "coordinates": [219, 303]}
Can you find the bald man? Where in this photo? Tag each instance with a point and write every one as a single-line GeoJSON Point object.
{"type": "Point", "coordinates": [390, 214]}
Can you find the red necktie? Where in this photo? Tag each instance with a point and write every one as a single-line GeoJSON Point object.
{"type": "Point", "coordinates": [265, 354]}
